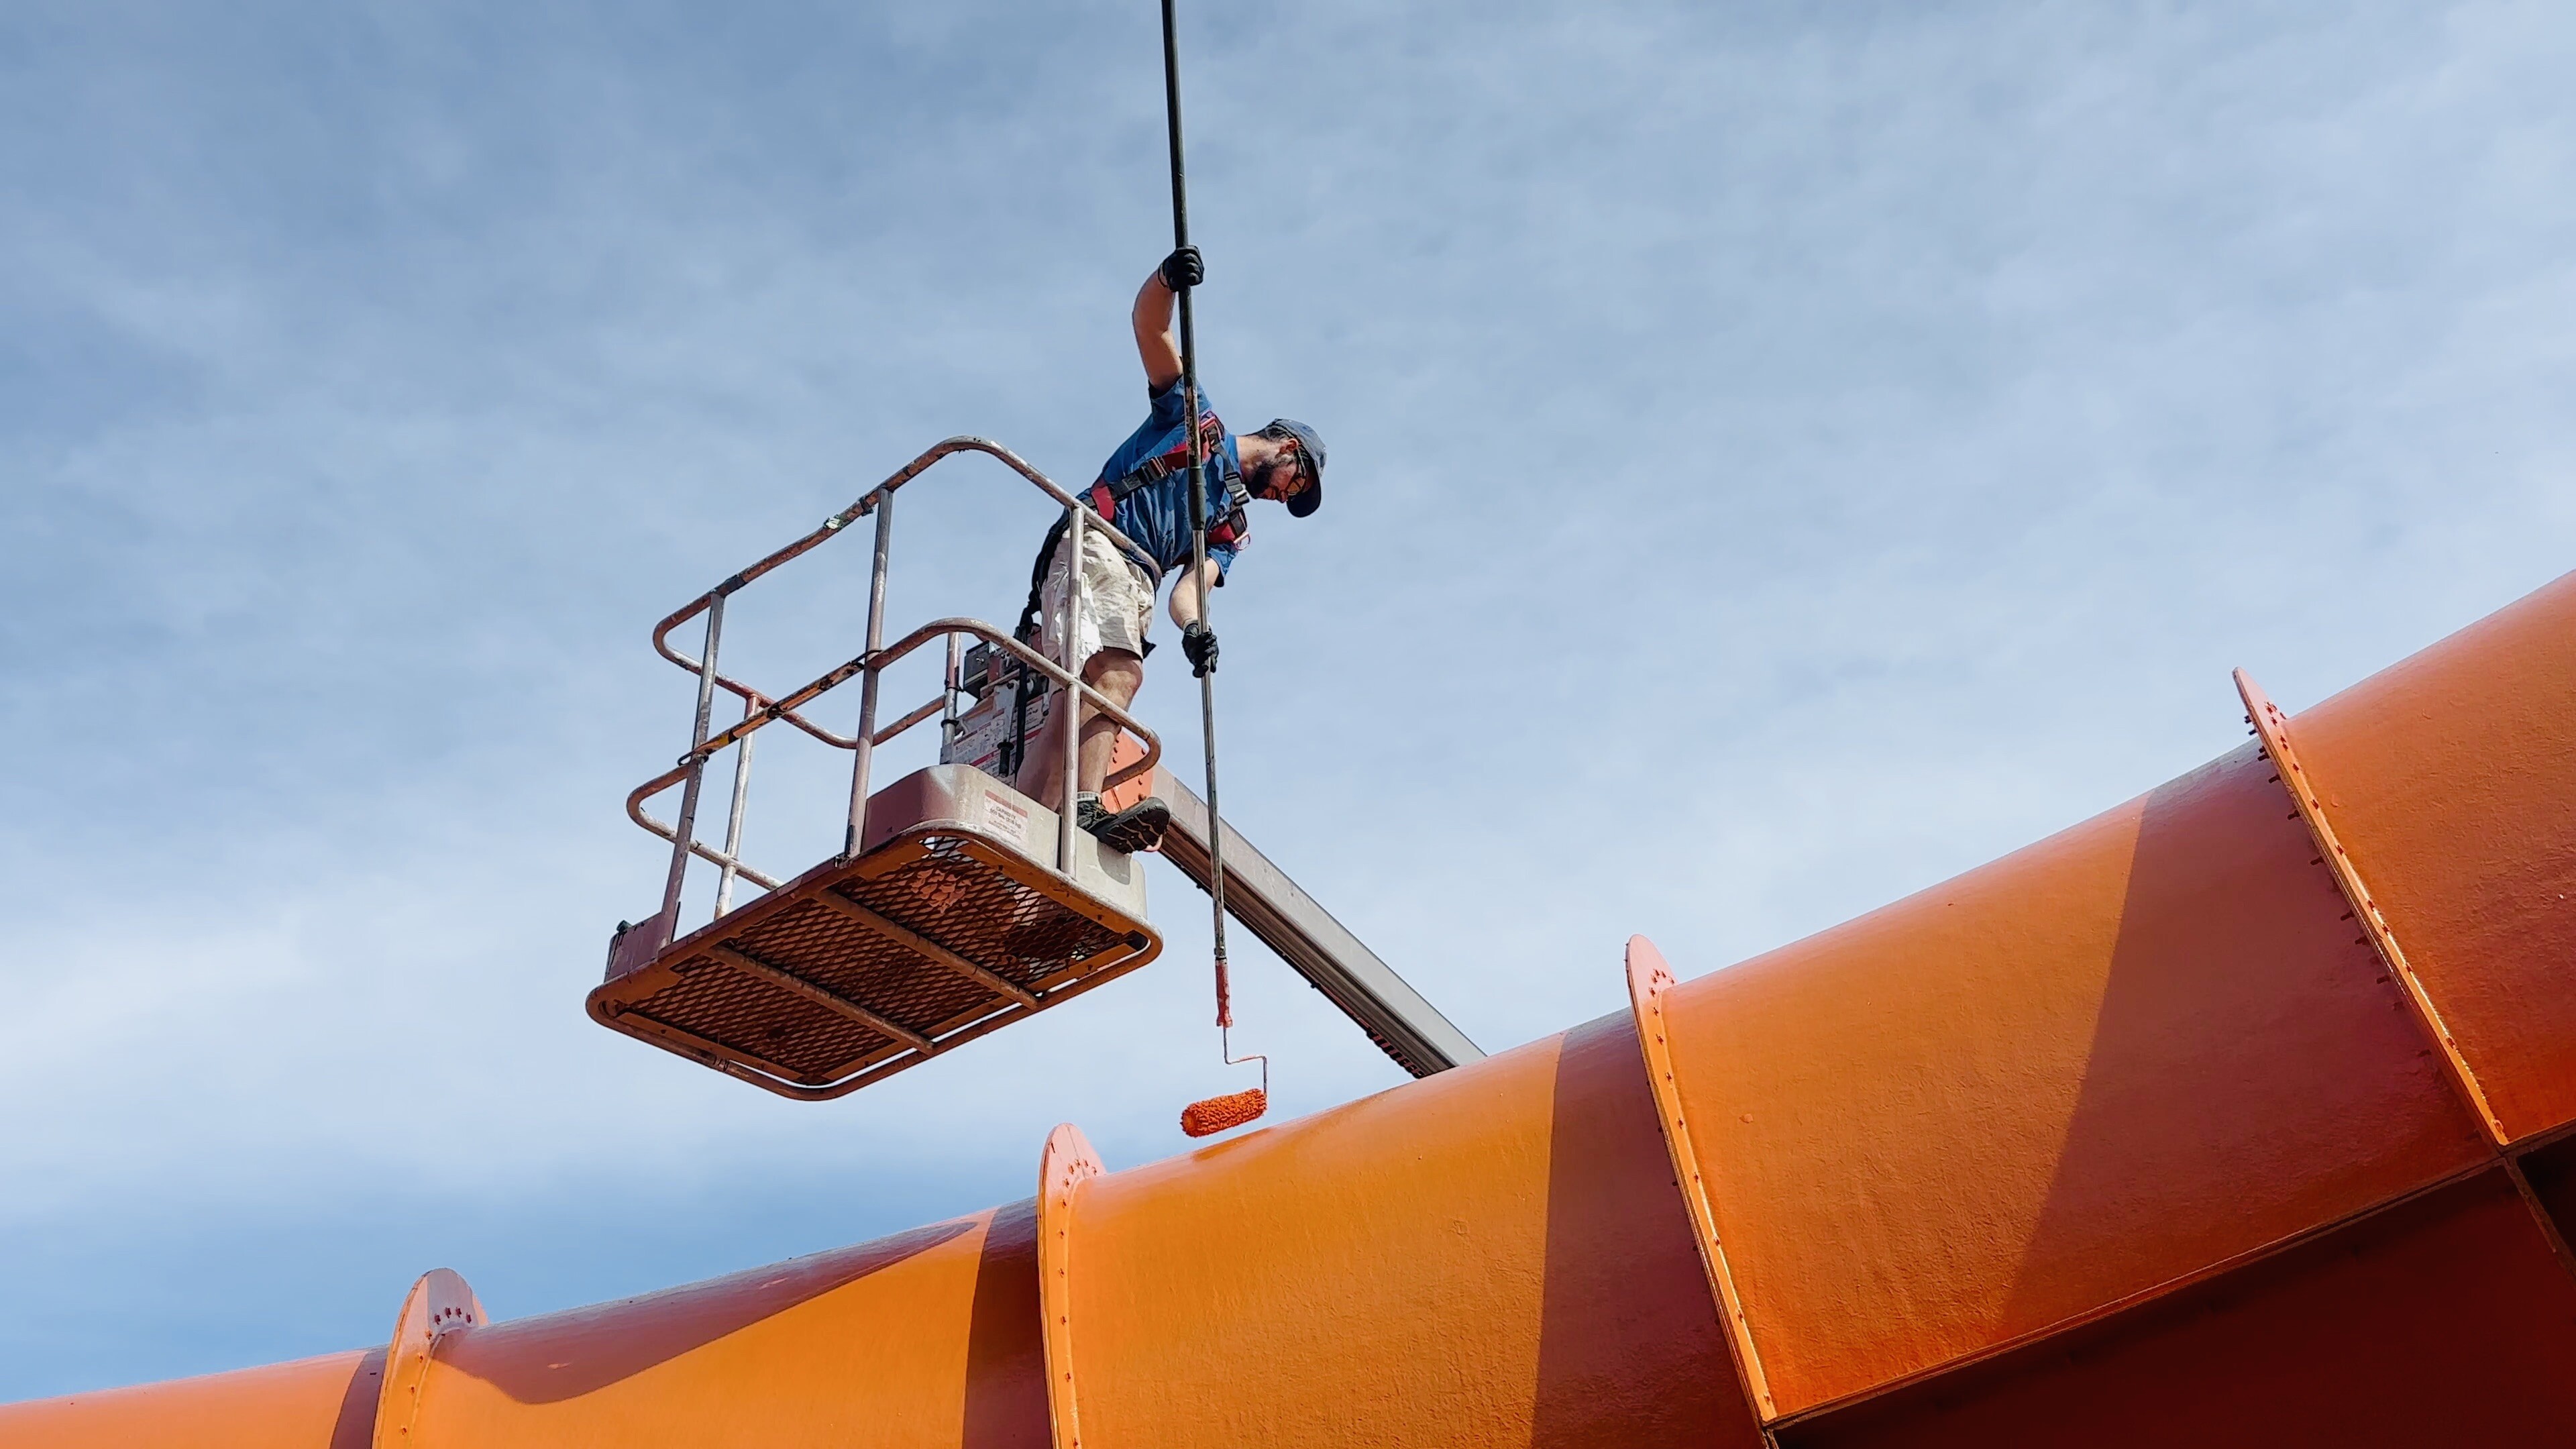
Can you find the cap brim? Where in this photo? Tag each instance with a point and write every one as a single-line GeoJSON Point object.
{"type": "Point", "coordinates": [1308, 499]}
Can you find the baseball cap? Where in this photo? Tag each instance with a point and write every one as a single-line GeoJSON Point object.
{"type": "Point", "coordinates": [1311, 497]}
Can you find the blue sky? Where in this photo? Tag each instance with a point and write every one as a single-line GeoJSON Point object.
{"type": "Point", "coordinates": [1781, 458]}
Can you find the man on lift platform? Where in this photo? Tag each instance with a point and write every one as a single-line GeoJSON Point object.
{"type": "Point", "coordinates": [1144, 489]}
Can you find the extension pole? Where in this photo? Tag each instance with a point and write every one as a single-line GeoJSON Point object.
{"type": "Point", "coordinates": [1198, 499]}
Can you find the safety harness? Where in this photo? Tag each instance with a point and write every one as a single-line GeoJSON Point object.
{"type": "Point", "coordinates": [1105, 496]}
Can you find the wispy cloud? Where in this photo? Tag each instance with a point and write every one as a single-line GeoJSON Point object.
{"type": "Point", "coordinates": [1780, 460]}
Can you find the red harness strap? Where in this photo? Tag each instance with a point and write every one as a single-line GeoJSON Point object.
{"type": "Point", "coordinates": [1106, 495]}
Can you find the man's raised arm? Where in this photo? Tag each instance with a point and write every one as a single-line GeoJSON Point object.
{"type": "Point", "coordinates": [1157, 346]}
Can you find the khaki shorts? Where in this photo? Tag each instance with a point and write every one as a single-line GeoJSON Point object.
{"type": "Point", "coordinates": [1117, 601]}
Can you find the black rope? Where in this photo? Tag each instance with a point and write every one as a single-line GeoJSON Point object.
{"type": "Point", "coordinates": [1198, 504]}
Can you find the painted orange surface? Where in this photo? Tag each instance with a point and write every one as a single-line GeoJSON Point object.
{"type": "Point", "coordinates": [2449, 779]}
{"type": "Point", "coordinates": [2441, 1324]}
{"type": "Point", "coordinates": [1489, 1257]}
{"type": "Point", "coordinates": [925, 1339]}
{"type": "Point", "coordinates": [2118, 1058]}
{"type": "Point", "coordinates": [314, 1403]}
{"type": "Point", "coordinates": [2127, 1139]}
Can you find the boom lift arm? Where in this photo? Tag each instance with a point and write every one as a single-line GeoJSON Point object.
{"type": "Point", "coordinates": [1408, 1028]}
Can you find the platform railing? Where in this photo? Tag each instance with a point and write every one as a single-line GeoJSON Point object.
{"type": "Point", "coordinates": [760, 710]}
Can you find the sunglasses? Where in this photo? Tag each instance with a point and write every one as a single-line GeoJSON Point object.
{"type": "Point", "coordinates": [1305, 472]}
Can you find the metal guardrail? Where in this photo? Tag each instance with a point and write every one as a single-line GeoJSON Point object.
{"type": "Point", "coordinates": [1259, 895]}
{"type": "Point", "coordinates": [761, 710]}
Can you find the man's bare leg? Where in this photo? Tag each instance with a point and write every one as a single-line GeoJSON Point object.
{"type": "Point", "coordinates": [1117, 674]}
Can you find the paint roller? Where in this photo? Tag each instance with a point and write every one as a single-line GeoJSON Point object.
{"type": "Point", "coordinates": [1224, 1114]}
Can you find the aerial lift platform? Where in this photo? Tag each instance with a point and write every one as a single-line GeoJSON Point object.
{"type": "Point", "coordinates": [957, 904]}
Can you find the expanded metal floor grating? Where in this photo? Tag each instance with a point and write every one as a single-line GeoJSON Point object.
{"type": "Point", "coordinates": [812, 991]}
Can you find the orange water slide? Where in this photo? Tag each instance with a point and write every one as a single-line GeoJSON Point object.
{"type": "Point", "coordinates": [2244, 1113]}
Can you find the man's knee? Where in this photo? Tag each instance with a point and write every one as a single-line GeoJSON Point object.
{"type": "Point", "coordinates": [1114, 672]}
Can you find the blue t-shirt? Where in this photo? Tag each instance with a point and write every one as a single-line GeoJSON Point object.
{"type": "Point", "coordinates": [1157, 515]}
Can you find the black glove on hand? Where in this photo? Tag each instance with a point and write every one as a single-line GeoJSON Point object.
{"type": "Point", "coordinates": [1184, 268]}
{"type": "Point", "coordinates": [1198, 641]}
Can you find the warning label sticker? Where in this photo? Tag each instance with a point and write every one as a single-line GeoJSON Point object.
{"type": "Point", "coordinates": [1006, 820]}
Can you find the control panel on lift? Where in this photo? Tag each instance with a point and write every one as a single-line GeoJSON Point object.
{"type": "Point", "coordinates": [1007, 704]}
{"type": "Point", "coordinates": [1007, 707]}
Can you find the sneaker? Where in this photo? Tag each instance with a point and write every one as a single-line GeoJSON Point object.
{"type": "Point", "coordinates": [1138, 827]}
